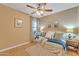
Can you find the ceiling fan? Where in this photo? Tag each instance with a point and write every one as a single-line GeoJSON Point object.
{"type": "Point", "coordinates": [40, 9]}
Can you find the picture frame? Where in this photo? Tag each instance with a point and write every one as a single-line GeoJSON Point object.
{"type": "Point", "coordinates": [18, 23]}
{"type": "Point", "coordinates": [49, 26]}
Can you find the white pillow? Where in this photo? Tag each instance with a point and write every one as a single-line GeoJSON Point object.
{"type": "Point", "coordinates": [58, 36]}
{"type": "Point", "coordinates": [40, 39]}
{"type": "Point", "coordinates": [49, 34]}
{"type": "Point", "coordinates": [43, 41]}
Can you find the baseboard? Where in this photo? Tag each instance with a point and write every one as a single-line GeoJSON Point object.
{"type": "Point", "coordinates": [2, 50]}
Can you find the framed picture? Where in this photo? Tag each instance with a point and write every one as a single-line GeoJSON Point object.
{"type": "Point", "coordinates": [18, 23]}
{"type": "Point", "coordinates": [49, 26]}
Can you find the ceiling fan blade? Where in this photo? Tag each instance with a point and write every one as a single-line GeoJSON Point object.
{"type": "Point", "coordinates": [30, 6]}
{"type": "Point", "coordinates": [33, 12]}
{"type": "Point", "coordinates": [48, 10]}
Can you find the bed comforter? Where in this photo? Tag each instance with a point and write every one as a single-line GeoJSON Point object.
{"type": "Point", "coordinates": [48, 49]}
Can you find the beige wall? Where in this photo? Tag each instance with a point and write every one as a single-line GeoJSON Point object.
{"type": "Point", "coordinates": [10, 35]}
{"type": "Point", "coordinates": [78, 19]}
{"type": "Point", "coordinates": [64, 18]}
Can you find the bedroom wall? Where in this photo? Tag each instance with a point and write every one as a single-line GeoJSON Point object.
{"type": "Point", "coordinates": [64, 18]}
{"type": "Point", "coordinates": [9, 34]}
{"type": "Point", "coordinates": [78, 19]}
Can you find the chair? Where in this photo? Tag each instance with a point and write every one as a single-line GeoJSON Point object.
{"type": "Point", "coordinates": [72, 45]}
{"type": "Point", "coordinates": [78, 48]}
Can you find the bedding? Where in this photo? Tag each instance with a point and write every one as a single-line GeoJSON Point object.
{"type": "Point", "coordinates": [47, 49]}
{"type": "Point", "coordinates": [49, 34]}
{"type": "Point", "coordinates": [38, 50]}
{"type": "Point", "coordinates": [58, 36]}
{"type": "Point", "coordinates": [60, 42]}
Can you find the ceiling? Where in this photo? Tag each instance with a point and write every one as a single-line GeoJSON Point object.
{"type": "Point", "coordinates": [56, 7]}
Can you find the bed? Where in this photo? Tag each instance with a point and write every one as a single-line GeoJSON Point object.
{"type": "Point", "coordinates": [56, 37]}
{"type": "Point", "coordinates": [45, 48]}
{"type": "Point", "coordinates": [60, 42]}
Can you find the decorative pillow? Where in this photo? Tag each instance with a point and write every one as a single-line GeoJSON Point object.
{"type": "Point", "coordinates": [40, 39]}
{"type": "Point", "coordinates": [49, 34]}
{"type": "Point", "coordinates": [58, 36]}
{"type": "Point", "coordinates": [44, 41]}
{"type": "Point", "coordinates": [43, 34]}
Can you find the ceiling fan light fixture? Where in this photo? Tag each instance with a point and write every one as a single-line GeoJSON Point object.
{"type": "Point", "coordinates": [38, 12]}
{"type": "Point", "coordinates": [41, 12]}
{"type": "Point", "coordinates": [40, 9]}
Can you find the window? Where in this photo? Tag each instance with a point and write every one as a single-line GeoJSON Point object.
{"type": "Point", "coordinates": [35, 25]}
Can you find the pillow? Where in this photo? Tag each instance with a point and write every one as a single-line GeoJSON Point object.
{"type": "Point", "coordinates": [44, 41]}
{"type": "Point", "coordinates": [49, 34]}
{"type": "Point", "coordinates": [58, 36]}
{"type": "Point", "coordinates": [43, 34]}
{"type": "Point", "coordinates": [40, 39]}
